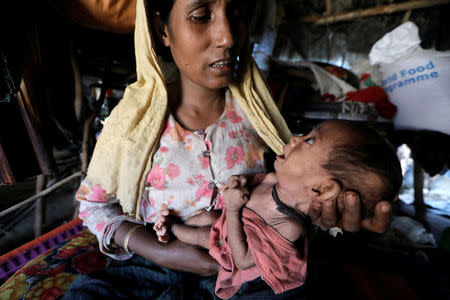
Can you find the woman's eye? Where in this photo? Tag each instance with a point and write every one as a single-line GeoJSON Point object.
{"type": "Point", "coordinates": [200, 19]}
{"type": "Point", "coordinates": [309, 140]}
{"type": "Point", "coordinates": [201, 16]}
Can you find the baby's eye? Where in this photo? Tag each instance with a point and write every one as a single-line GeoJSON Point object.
{"type": "Point", "coordinates": [309, 140]}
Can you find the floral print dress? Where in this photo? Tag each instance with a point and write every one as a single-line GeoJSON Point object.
{"type": "Point", "coordinates": [187, 171]}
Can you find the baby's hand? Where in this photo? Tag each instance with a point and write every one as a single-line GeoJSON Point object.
{"type": "Point", "coordinates": [162, 224]}
{"type": "Point", "coordinates": [236, 181]}
{"type": "Point", "coordinates": [236, 193]}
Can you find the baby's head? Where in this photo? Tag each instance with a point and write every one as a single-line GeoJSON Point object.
{"type": "Point", "coordinates": [337, 156]}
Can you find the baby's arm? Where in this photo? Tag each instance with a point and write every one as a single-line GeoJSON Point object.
{"type": "Point", "coordinates": [197, 236]}
{"type": "Point", "coordinates": [195, 231]}
{"type": "Point", "coordinates": [236, 196]}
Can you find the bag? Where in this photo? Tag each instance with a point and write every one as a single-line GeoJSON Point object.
{"type": "Point", "coordinates": [416, 80]}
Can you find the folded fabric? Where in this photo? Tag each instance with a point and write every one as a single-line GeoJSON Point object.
{"type": "Point", "coordinates": [376, 95]}
{"type": "Point", "coordinates": [277, 260]}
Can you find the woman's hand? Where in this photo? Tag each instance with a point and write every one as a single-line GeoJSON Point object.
{"type": "Point", "coordinates": [325, 214]}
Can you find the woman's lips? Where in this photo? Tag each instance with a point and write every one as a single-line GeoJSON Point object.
{"type": "Point", "coordinates": [222, 65]}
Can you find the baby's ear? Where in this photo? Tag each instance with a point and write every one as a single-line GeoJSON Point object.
{"type": "Point", "coordinates": [327, 189]}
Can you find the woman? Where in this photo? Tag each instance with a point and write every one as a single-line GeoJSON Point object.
{"type": "Point", "coordinates": [178, 143]}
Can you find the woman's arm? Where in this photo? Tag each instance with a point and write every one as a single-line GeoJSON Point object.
{"type": "Point", "coordinates": [103, 215]}
{"type": "Point", "coordinates": [173, 255]}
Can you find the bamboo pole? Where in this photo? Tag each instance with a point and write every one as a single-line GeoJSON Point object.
{"type": "Point", "coordinates": [40, 194]}
{"type": "Point", "coordinates": [407, 16]}
{"type": "Point", "coordinates": [374, 11]}
{"type": "Point", "coordinates": [329, 8]}
{"type": "Point", "coordinates": [419, 204]}
{"type": "Point", "coordinates": [39, 211]}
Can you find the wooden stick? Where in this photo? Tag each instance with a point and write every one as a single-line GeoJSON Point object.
{"type": "Point", "coordinates": [78, 98]}
{"type": "Point", "coordinates": [406, 16]}
{"type": "Point", "coordinates": [419, 203]}
{"type": "Point", "coordinates": [6, 175]}
{"type": "Point", "coordinates": [41, 194]}
{"type": "Point", "coordinates": [39, 211]}
{"type": "Point", "coordinates": [329, 8]}
{"type": "Point", "coordinates": [379, 10]}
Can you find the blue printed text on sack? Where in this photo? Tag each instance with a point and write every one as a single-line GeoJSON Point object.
{"type": "Point", "coordinates": [409, 76]}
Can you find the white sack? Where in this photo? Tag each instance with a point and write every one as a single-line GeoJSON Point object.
{"type": "Point", "coordinates": [416, 80]}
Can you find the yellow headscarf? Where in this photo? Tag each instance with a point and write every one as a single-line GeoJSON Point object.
{"type": "Point", "coordinates": [124, 151]}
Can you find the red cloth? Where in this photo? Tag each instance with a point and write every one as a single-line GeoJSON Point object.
{"type": "Point", "coordinates": [277, 260]}
{"type": "Point", "coordinates": [376, 95]}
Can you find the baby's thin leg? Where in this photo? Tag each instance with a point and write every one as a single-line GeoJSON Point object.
{"type": "Point", "coordinates": [198, 236]}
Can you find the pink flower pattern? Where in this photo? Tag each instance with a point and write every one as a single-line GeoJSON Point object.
{"type": "Point", "coordinates": [204, 161]}
{"type": "Point", "coordinates": [167, 129]}
{"type": "Point", "coordinates": [204, 191]}
{"type": "Point", "coordinates": [83, 213]}
{"type": "Point", "coordinates": [173, 171]}
{"type": "Point", "coordinates": [152, 201]}
{"type": "Point", "coordinates": [100, 226]}
{"type": "Point", "coordinates": [233, 117]}
{"type": "Point", "coordinates": [98, 194]}
{"type": "Point", "coordinates": [157, 178]}
{"type": "Point", "coordinates": [235, 155]}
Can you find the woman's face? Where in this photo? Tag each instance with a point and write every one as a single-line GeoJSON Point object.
{"type": "Point", "coordinates": [204, 37]}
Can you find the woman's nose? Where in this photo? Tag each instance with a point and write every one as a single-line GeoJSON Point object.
{"type": "Point", "coordinates": [224, 37]}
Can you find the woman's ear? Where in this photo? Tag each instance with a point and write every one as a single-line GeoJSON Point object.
{"type": "Point", "coordinates": [327, 189]}
{"type": "Point", "coordinates": [161, 30]}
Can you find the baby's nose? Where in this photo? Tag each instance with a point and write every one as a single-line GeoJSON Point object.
{"type": "Point", "coordinates": [295, 140]}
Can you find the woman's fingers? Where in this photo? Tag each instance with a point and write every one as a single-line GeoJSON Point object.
{"type": "Point", "coordinates": [325, 214]}
{"type": "Point", "coordinates": [382, 217]}
{"type": "Point", "coordinates": [315, 211]}
{"type": "Point", "coordinates": [351, 215]}
{"type": "Point", "coordinates": [329, 214]}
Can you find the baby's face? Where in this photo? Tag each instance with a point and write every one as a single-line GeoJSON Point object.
{"type": "Point", "coordinates": [303, 157]}
{"type": "Point", "coordinates": [301, 163]}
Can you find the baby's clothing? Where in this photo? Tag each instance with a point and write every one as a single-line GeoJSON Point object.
{"type": "Point", "coordinates": [186, 169]}
{"type": "Point", "coordinates": [277, 260]}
